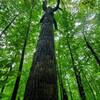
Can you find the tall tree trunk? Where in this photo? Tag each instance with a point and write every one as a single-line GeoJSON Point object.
{"type": "Point", "coordinates": [64, 95]}
{"type": "Point", "coordinates": [16, 86]}
{"type": "Point", "coordinates": [63, 92]}
{"type": "Point", "coordinates": [77, 75]}
{"type": "Point", "coordinates": [42, 81]}
{"type": "Point", "coordinates": [86, 79]}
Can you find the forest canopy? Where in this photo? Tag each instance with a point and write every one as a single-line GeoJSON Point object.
{"type": "Point", "coordinates": [76, 28]}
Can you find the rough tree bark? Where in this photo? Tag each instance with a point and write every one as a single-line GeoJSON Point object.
{"type": "Point", "coordinates": [42, 81]}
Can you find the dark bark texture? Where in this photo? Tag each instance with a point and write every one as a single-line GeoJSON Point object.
{"type": "Point", "coordinates": [79, 82]}
{"type": "Point", "coordinates": [65, 96]}
{"type": "Point", "coordinates": [42, 81]}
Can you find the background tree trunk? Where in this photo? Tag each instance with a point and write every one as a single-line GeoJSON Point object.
{"type": "Point", "coordinates": [77, 75]}
{"type": "Point", "coordinates": [16, 86]}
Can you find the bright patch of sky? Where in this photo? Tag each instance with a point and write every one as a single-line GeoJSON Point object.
{"type": "Point", "coordinates": [1, 10]}
{"type": "Point", "coordinates": [58, 36]}
{"type": "Point", "coordinates": [77, 24]}
{"type": "Point", "coordinates": [72, 8]}
{"type": "Point", "coordinates": [11, 53]}
{"type": "Point", "coordinates": [19, 2]}
{"type": "Point", "coordinates": [0, 32]}
{"type": "Point", "coordinates": [90, 17]}
{"type": "Point", "coordinates": [74, 1]}
{"type": "Point", "coordinates": [16, 12]}
{"type": "Point", "coordinates": [81, 58]}
{"type": "Point", "coordinates": [89, 27]}
{"type": "Point", "coordinates": [4, 47]}
{"type": "Point", "coordinates": [67, 76]}
{"type": "Point", "coordinates": [13, 65]}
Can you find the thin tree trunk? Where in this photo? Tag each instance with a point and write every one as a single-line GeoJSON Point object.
{"type": "Point", "coordinates": [92, 50]}
{"type": "Point", "coordinates": [5, 29]}
{"type": "Point", "coordinates": [89, 84]}
{"type": "Point", "coordinates": [88, 44]}
{"type": "Point", "coordinates": [64, 95]}
{"type": "Point", "coordinates": [77, 74]}
{"type": "Point", "coordinates": [42, 81]}
{"type": "Point", "coordinates": [16, 86]}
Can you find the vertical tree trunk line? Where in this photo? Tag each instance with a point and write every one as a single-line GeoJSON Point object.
{"type": "Point", "coordinates": [77, 75]}
{"type": "Point", "coordinates": [42, 81]}
{"type": "Point", "coordinates": [16, 86]}
{"type": "Point", "coordinates": [92, 50]}
{"type": "Point", "coordinates": [64, 95]}
{"type": "Point", "coordinates": [88, 44]}
{"type": "Point", "coordinates": [89, 84]}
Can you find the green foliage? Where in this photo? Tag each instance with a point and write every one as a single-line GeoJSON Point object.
{"type": "Point", "coordinates": [77, 17]}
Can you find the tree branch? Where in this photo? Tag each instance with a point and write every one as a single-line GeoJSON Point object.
{"type": "Point", "coordinates": [57, 6]}
{"type": "Point", "coordinates": [44, 5]}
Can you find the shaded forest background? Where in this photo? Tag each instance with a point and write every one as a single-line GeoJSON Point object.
{"type": "Point", "coordinates": [77, 42]}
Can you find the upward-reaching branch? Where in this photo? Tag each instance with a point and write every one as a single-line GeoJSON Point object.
{"type": "Point", "coordinates": [44, 5]}
{"type": "Point", "coordinates": [54, 9]}
{"type": "Point", "coordinates": [57, 6]}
